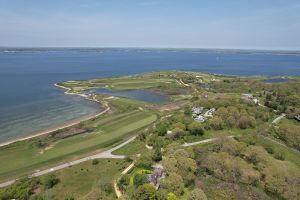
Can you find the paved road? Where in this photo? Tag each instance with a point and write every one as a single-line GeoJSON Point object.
{"type": "Point", "coordinates": [276, 120]}
{"type": "Point", "coordinates": [202, 142]}
{"type": "Point", "coordinates": [104, 154]}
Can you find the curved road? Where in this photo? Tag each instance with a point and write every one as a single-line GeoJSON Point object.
{"type": "Point", "coordinates": [104, 154]}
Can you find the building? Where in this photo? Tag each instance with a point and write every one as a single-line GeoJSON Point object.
{"type": "Point", "coordinates": [157, 175]}
{"type": "Point", "coordinates": [247, 96]}
{"type": "Point", "coordinates": [210, 112]}
{"type": "Point", "coordinates": [197, 110]}
{"type": "Point", "coordinates": [200, 118]}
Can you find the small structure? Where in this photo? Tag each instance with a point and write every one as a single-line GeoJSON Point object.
{"type": "Point", "coordinates": [200, 118]}
{"type": "Point", "coordinates": [247, 96]}
{"type": "Point", "coordinates": [297, 117]}
{"type": "Point", "coordinates": [157, 175]}
{"type": "Point", "coordinates": [210, 112]}
{"type": "Point", "coordinates": [197, 110]}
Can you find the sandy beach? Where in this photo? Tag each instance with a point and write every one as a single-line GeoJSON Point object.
{"type": "Point", "coordinates": [67, 124]}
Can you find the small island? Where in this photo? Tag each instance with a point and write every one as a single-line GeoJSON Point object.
{"type": "Point", "coordinates": [166, 135]}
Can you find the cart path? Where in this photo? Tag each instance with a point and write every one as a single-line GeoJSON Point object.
{"type": "Point", "coordinates": [104, 154]}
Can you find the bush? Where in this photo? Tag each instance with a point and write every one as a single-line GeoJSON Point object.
{"type": "Point", "coordinates": [145, 161]}
{"type": "Point", "coordinates": [106, 187]}
{"type": "Point", "coordinates": [269, 149]}
{"type": "Point", "coordinates": [145, 192]}
{"type": "Point", "coordinates": [162, 129]}
{"type": "Point", "coordinates": [95, 162]}
{"type": "Point", "coordinates": [50, 181]}
{"type": "Point", "coordinates": [140, 179]}
{"type": "Point", "coordinates": [37, 197]}
{"type": "Point", "coordinates": [20, 190]}
{"type": "Point", "coordinates": [279, 156]}
{"type": "Point", "coordinates": [197, 194]}
{"type": "Point", "coordinates": [124, 182]}
{"type": "Point", "coordinates": [196, 128]}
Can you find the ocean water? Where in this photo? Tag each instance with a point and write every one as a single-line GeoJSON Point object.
{"type": "Point", "coordinates": [29, 102]}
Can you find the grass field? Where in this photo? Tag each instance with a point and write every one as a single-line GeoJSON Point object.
{"type": "Point", "coordinates": [122, 83]}
{"type": "Point", "coordinates": [133, 148]}
{"type": "Point", "coordinates": [289, 154]}
{"type": "Point", "coordinates": [23, 157]}
{"type": "Point", "coordinates": [86, 181]}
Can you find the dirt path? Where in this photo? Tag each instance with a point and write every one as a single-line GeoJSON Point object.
{"type": "Point", "coordinates": [125, 171]}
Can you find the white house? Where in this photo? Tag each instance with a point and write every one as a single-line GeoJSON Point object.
{"type": "Point", "coordinates": [200, 118]}
{"type": "Point", "coordinates": [210, 112]}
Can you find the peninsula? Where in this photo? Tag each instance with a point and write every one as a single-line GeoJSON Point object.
{"type": "Point", "coordinates": [164, 135]}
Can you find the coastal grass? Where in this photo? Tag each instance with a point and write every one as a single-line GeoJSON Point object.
{"type": "Point", "coordinates": [133, 148]}
{"type": "Point", "coordinates": [86, 180]}
{"type": "Point", "coordinates": [288, 153]}
{"type": "Point", "coordinates": [23, 157]}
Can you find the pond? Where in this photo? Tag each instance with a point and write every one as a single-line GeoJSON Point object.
{"type": "Point", "coordinates": [140, 95]}
{"type": "Point", "coordinates": [277, 80]}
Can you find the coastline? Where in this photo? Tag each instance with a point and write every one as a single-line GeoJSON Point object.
{"type": "Point", "coordinates": [66, 124]}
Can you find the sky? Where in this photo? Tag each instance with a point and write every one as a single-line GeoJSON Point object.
{"type": "Point", "coordinates": [233, 24]}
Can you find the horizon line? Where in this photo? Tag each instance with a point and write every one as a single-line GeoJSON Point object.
{"type": "Point", "coordinates": [146, 47]}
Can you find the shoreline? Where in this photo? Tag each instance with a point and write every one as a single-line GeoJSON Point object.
{"type": "Point", "coordinates": [66, 124]}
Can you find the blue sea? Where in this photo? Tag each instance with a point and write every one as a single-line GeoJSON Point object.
{"type": "Point", "coordinates": [29, 102]}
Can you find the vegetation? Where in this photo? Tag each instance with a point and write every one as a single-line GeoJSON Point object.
{"type": "Point", "coordinates": [260, 159]}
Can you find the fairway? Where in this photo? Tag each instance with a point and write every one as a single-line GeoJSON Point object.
{"type": "Point", "coordinates": [24, 157]}
{"type": "Point", "coordinates": [122, 83]}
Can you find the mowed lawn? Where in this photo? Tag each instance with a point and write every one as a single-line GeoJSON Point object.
{"type": "Point", "coordinates": [123, 83]}
{"type": "Point", "coordinates": [24, 157]}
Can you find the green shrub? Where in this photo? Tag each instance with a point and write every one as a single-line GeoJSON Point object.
{"type": "Point", "coordinates": [106, 187]}
{"type": "Point", "coordinates": [140, 179]}
{"type": "Point", "coordinates": [95, 162]}
{"type": "Point", "coordinates": [279, 156]}
{"type": "Point", "coordinates": [50, 181]}
{"type": "Point", "coordinates": [269, 149]}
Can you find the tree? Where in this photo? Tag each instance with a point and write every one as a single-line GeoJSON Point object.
{"type": "Point", "coordinates": [197, 194]}
{"type": "Point", "coordinates": [217, 123]}
{"type": "Point", "coordinates": [171, 196]}
{"type": "Point", "coordinates": [145, 192]}
{"type": "Point", "coordinates": [157, 155]}
{"type": "Point", "coordinates": [145, 161]}
{"type": "Point", "coordinates": [187, 110]}
{"type": "Point", "coordinates": [173, 183]}
{"type": "Point", "coordinates": [177, 133]}
{"type": "Point", "coordinates": [162, 129]}
{"type": "Point", "coordinates": [140, 179]}
{"type": "Point", "coordinates": [246, 122]}
{"type": "Point", "coordinates": [196, 128]}
{"type": "Point", "coordinates": [179, 125]}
